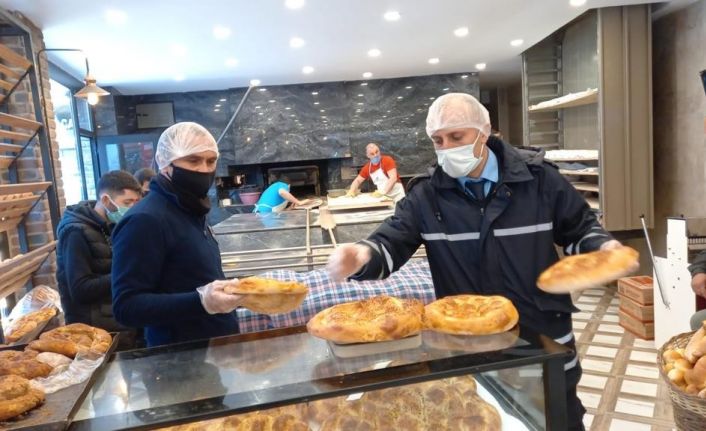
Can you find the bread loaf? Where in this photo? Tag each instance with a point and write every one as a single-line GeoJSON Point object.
{"type": "Point", "coordinates": [697, 345]}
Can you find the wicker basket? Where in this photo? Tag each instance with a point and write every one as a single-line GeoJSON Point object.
{"type": "Point", "coordinates": [689, 410]}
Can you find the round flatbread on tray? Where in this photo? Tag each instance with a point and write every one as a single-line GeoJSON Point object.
{"type": "Point", "coordinates": [471, 315]}
{"type": "Point", "coordinates": [269, 296]}
{"type": "Point", "coordinates": [587, 270]}
{"type": "Point", "coordinates": [380, 318]}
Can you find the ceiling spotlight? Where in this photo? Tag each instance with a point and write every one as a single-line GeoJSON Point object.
{"type": "Point", "coordinates": [254, 82]}
{"type": "Point", "coordinates": [433, 60]}
{"type": "Point", "coordinates": [178, 49]}
{"type": "Point", "coordinates": [115, 17]}
{"type": "Point", "coordinates": [367, 74]}
{"type": "Point", "coordinates": [392, 15]}
{"type": "Point", "coordinates": [231, 62]}
{"type": "Point", "coordinates": [480, 66]}
{"type": "Point", "coordinates": [307, 70]}
{"type": "Point", "coordinates": [296, 42]}
{"type": "Point", "coordinates": [374, 53]}
{"type": "Point", "coordinates": [221, 32]}
{"type": "Point", "coordinates": [517, 42]}
{"type": "Point", "coordinates": [577, 3]}
{"type": "Point", "coordinates": [294, 4]}
{"type": "Point", "coordinates": [461, 32]}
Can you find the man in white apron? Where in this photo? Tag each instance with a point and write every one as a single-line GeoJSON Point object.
{"type": "Point", "coordinates": [382, 170]}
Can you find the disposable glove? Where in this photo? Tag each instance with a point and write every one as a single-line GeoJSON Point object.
{"type": "Point", "coordinates": [346, 260]}
{"type": "Point", "coordinates": [215, 300]}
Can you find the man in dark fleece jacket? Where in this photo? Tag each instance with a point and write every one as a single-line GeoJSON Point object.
{"type": "Point", "coordinates": [84, 255]}
{"type": "Point", "coordinates": [167, 274]}
{"type": "Point", "coordinates": [489, 217]}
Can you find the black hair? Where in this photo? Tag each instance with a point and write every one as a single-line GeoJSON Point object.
{"type": "Point", "coordinates": [144, 174]}
{"type": "Point", "coordinates": [114, 182]}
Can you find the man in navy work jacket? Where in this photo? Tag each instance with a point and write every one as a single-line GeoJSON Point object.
{"type": "Point", "coordinates": [167, 274]}
{"type": "Point", "coordinates": [489, 217]}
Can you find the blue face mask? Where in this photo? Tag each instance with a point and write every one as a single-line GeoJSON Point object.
{"type": "Point", "coordinates": [118, 214]}
{"type": "Point", "coordinates": [375, 160]}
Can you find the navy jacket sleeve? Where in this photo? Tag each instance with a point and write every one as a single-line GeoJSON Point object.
{"type": "Point", "coordinates": [698, 266]}
{"type": "Point", "coordinates": [139, 250]}
{"type": "Point", "coordinates": [576, 227]}
{"type": "Point", "coordinates": [84, 286]}
{"type": "Point", "coordinates": [393, 243]}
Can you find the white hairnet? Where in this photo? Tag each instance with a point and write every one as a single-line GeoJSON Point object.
{"type": "Point", "coordinates": [181, 140]}
{"type": "Point", "coordinates": [457, 111]}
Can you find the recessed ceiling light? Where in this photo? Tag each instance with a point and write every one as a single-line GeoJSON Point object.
{"type": "Point", "coordinates": [480, 66]}
{"type": "Point", "coordinates": [288, 108]}
{"type": "Point", "coordinates": [260, 113]}
{"type": "Point", "coordinates": [272, 100]}
{"type": "Point", "coordinates": [433, 60]}
{"type": "Point", "coordinates": [577, 3]}
{"type": "Point", "coordinates": [258, 107]}
{"type": "Point", "coordinates": [221, 32]}
{"type": "Point", "coordinates": [399, 97]}
{"type": "Point", "coordinates": [296, 42]}
{"type": "Point", "coordinates": [221, 100]}
{"type": "Point", "coordinates": [216, 110]}
{"type": "Point", "coordinates": [360, 103]}
{"type": "Point", "coordinates": [115, 17]}
{"type": "Point", "coordinates": [517, 42]}
{"type": "Point", "coordinates": [392, 15]}
{"type": "Point", "coordinates": [254, 82]}
{"type": "Point", "coordinates": [361, 95]}
{"type": "Point", "coordinates": [294, 4]}
{"type": "Point", "coordinates": [363, 84]}
{"type": "Point", "coordinates": [179, 77]}
{"type": "Point", "coordinates": [217, 105]}
{"type": "Point", "coordinates": [367, 74]}
{"type": "Point", "coordinates": [262, 89]}
{"type": "Point", "coordinates": [464, 76]}
{"type": "Point", "coordinates": [409, 87]}
{"type": "Point", "coordinates": [314, 93]}
{"type": "Point", "coordinates": [431, 98]}
{"type": "Point", "coordinates": [461, 32]}
{"type": "Point", "coordinates": [323, 110]}
{"type": "Point", "coordinates": [374, 52]}
{"type": "Point", "coordinates": [178, 49]}
{"type": "Point", "coordinates": [307, 70]}
{"type": "Point", "coordinates": [446, 89]}
{"type": "Point", "coordinates": [231, 62]}
{"type": "Point", "coordinates": [316, 103]}
{"type": "Point", "coordinates": [384, 116]}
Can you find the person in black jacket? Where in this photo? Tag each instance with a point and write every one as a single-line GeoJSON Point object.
{"type": "Point", "coordinates": [84, 251]}
{"type": "Point", "coordinates": [489, 216]}
{"type": "Point", "coordinates": [167, 273]}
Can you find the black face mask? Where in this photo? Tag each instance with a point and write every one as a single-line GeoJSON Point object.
{"type": "Point", "coordinates": [192, 182]}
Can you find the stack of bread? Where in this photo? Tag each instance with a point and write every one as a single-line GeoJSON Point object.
{"type": "Point", "coordinates": [686, 367]}
{"type": "Point", "coordinates": [54, 349]}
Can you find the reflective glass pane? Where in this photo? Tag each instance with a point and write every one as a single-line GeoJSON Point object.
{"type": "Point", "coordinates": [88, 167]}
{"type": "Point", "coordinates": [66, 140]}
{"type": "Point", "coordinates": [84, 114]}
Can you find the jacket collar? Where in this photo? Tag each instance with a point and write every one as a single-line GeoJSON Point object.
{"type": "Point", "coordinates": [512, 165]}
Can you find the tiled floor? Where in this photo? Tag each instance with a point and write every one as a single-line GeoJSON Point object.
{"type": "Point", "coordinates": [621, 387]}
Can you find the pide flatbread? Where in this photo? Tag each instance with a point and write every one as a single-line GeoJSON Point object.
{"type": "Point", "coordinates": [269, 296]}
{"type": "Point", "coordinates": [587, 270]}
{"type": "Point", "coordinates": [380, 318]}
{"type": "Point", "coordinates": [471, 315]}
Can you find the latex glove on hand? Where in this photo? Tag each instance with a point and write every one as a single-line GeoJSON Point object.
{"type": "Point", "coordinates": [346, 260]}
{"type": "Point", "coordinates": [698, 284]}
{"type": "Point", "coordinates": [351, 194]}
{"type": "Point", "coordinates": [215, 300]}
{"type": "Point", "coordinates": [378, 194]}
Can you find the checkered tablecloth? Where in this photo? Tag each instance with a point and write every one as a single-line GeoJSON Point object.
{"type": "Point", "coordinates": [413, 280]}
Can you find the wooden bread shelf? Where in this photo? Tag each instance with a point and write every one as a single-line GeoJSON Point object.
{"type": "Point", "coordinates": [10, 148]}
{"type": "Point", "coordinates": [20, 122]}
{"type": "Point", "coordinates": [587, 97]}
{"type": "Point", "coordinates": [594, 203]}
{"type": "Point", "coordinates": [16, 200]}
{"type": "Point", "coordinates": [16, 272]}
{"type": "Point", "coordinates": [15, 136]}
{"type": "Point", "coordinates": [586, 187]}
{"type": "Point", "coordinates": [6, 161]}
{"type": "Point", "coordinates": [13, 59]}
{"type": "Point", "coordinates": [578, 173]}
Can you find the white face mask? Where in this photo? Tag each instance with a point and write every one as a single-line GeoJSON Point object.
{"type": "Point", "coordinates": [460, 161]}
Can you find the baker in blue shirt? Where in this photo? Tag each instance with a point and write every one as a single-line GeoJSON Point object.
{"type": "Point", "coordinates": [276, 197]}
{"type": "Point", "coordinates": [167, 275]}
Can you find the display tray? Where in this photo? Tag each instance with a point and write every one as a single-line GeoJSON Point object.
{"type": "Point", "coordinates": [60, 406]}
{"type": "Point", "coordinates": [363, 349]}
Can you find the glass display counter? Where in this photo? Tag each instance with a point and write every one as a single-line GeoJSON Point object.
{"type": "Point", "coordinates": [519, 373]}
